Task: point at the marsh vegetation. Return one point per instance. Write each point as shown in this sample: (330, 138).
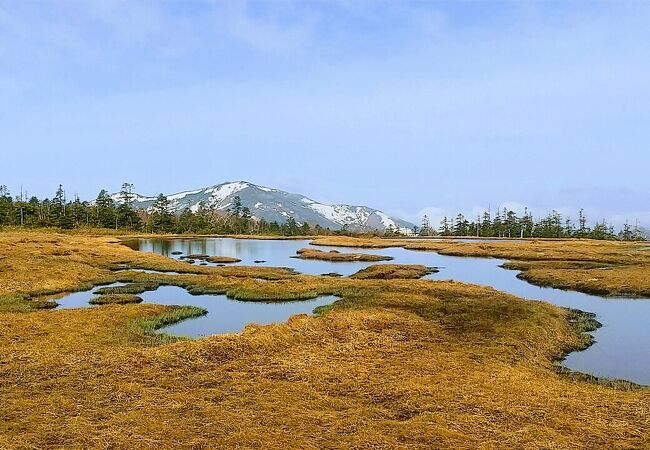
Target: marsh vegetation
(115, 299)
(395, 363)
(336, 256)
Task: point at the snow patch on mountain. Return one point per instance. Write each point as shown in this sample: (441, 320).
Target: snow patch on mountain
(181, 195)
(222, 191)
(385, 220)
(343, 214)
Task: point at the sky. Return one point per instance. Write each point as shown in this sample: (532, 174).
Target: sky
(411, 107)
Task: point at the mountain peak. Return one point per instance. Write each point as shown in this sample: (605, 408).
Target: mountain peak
(273, 204)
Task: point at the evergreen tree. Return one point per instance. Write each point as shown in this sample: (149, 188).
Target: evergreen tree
(425, 229)
(237, 207)
(79, 213)
(569, 229)
(601, 231)
(526, 224)
(56, 208)
(126, 215)
(445, 229)
(582, 230)
(291, 227)
(626, 233)
(37, 211)
(460, 226)
(105, 214)
(497, 225)
(511, 223)
(186, 222)
(126, 194)
(162, 219)
(305, 229)
(486, 225)
(6, 206)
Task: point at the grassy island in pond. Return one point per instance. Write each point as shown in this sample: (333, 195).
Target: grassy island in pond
(212, 259)
(115, 299)
(390, 271)
(336, 256)
(222, 259)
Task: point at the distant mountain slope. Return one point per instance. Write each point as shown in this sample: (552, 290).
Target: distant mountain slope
(276, 205)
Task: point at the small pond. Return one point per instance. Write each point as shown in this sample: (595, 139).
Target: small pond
(224, 315)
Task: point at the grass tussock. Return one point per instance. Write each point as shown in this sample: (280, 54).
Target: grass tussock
(334, 256)
(146, 329)
(397, 363)
(392, 271)
(132, 288)
(196, 256)
(222, 259)
(245, 294)
(584, 323)
(115, 299)
(23, 303)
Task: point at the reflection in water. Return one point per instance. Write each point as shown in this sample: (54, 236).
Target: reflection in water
(79, 299)
(620, 351)
(224, 315)
(270, 253)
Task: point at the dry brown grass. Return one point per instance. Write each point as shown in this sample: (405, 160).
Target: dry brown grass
(37, 263)
(115, 299)
(394, 364)
(334, 256)
(392, 271)
(597, 267)
(223, 259)
(606, 280)
(606, 252)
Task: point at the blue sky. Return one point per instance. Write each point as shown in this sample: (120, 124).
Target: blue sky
(409, 107)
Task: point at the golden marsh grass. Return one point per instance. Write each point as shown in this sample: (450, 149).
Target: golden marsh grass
(394, 364)
(333, 255)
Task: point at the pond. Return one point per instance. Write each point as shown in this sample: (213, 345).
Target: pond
(621, 349)
(224, 315)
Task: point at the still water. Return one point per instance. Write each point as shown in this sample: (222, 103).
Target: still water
(224, 315)
(622, 348)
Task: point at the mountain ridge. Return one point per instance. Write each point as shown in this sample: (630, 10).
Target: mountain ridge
(273, 204)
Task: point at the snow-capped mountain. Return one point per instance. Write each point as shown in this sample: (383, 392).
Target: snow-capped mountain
(276, 205)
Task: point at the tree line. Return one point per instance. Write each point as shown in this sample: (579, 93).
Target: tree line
(119, 214)
(508, 224)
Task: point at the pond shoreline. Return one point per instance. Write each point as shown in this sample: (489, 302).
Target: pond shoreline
(281, 254)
